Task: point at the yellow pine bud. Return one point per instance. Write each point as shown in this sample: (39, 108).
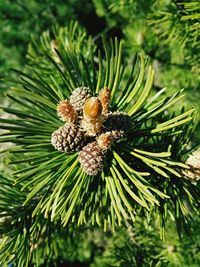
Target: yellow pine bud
(92, 116)
(104, 97)
(92, 108)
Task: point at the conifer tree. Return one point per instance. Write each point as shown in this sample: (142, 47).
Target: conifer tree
(95, 148)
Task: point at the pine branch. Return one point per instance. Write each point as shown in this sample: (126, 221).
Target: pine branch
(177, 22)
(128, 184)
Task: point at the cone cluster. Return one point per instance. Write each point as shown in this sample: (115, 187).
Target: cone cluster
(90, 128)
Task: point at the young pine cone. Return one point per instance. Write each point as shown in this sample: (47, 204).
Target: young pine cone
(92, 116)
(104, 96)
(118, 123)
(78, 98)
(91, 158)
(66, 111)
(105, 140)
(68, 138)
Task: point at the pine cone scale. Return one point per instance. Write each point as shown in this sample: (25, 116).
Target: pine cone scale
(68, 138)
(91, 158)
(78, 98)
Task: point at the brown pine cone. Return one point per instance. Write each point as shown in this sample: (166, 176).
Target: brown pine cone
(118, 123)
(91, 158)
(68, 138)
(78, 98)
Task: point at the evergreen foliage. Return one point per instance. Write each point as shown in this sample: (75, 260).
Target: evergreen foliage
(179, 24)
(51, 212)
(161, 30)
(142, 177)
(20, 19)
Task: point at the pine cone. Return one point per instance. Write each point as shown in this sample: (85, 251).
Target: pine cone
(194, 159)
(78, 98)
(192, 174)
(118, 123)
(91, 158)
(193, 162)
(68, 138)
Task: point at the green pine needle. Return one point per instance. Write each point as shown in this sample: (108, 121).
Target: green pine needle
(140, 173)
